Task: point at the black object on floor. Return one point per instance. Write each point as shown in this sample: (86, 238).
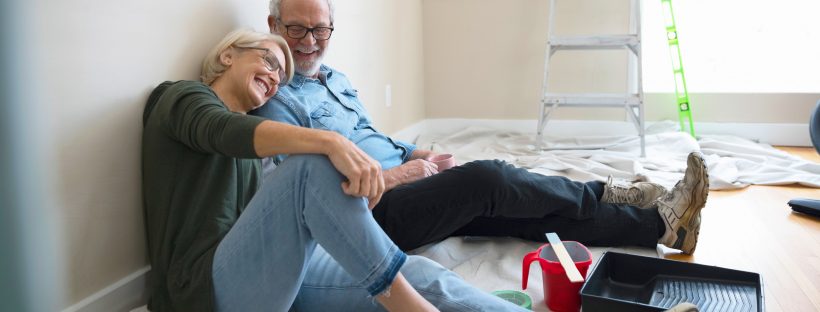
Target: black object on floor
(807, 206)
(624, 282)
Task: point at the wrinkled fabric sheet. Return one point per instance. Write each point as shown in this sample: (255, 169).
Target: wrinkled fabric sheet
(733, 162)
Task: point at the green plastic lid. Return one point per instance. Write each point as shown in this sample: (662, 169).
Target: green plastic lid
(516, 297)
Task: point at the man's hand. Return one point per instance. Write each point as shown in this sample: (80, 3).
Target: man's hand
(409, 172)
(364, 174)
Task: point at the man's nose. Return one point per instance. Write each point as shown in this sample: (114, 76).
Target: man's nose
(308, 39)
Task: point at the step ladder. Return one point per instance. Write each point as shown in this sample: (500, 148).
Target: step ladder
(632, 100)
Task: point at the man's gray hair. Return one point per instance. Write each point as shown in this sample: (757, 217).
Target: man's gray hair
(275, 4)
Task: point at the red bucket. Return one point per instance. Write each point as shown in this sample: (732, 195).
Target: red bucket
(560, 294)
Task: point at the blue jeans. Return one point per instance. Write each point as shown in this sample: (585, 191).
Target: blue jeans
(270, 261)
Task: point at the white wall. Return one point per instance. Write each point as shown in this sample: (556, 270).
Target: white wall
(485, 59)
(378, 43)
(98, 61)
(94, 63)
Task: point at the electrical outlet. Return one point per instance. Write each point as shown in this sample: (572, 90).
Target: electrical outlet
(388, 96)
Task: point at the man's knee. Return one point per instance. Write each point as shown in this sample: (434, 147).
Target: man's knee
(490, 174)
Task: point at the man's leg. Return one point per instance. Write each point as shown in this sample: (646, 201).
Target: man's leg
(628, 227)
(328, 287)
(675, 215)
(435, 208)
(262, 260)
(607, 228)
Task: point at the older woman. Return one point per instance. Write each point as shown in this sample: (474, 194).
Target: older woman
(222, 239)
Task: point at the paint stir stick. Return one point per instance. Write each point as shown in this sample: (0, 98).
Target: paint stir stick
(563, 257)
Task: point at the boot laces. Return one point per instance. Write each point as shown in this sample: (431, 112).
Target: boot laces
(624, 194)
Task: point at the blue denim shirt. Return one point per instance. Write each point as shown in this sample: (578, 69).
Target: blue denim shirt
(331, 103)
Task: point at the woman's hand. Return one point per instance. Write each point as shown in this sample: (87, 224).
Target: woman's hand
(364, 174)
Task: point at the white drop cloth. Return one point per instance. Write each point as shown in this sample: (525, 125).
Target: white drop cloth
(733, 162)
(496, 263)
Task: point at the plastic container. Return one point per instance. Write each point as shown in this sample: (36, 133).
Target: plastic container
(623, 282)
(560, 294)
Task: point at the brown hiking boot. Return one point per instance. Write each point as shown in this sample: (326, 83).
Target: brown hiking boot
(680, 208)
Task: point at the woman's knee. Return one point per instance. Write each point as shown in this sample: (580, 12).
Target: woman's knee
(308, 166)
(307, 161)
(300, 171)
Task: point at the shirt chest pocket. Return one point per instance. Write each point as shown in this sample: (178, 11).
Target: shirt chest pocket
(330, 116)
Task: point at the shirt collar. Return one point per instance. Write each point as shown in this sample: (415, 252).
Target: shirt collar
(325, 72)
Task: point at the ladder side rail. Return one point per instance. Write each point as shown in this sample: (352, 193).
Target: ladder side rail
(639, 57)
(543, 117)
(632, 58)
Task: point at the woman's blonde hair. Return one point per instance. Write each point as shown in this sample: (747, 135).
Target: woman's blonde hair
(212, 66)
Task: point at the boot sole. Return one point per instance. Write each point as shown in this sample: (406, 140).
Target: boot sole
(690, 231)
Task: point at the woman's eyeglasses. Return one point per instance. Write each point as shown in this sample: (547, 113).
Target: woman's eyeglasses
(270, 62)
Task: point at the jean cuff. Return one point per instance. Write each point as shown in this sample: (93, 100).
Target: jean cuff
(384, 275)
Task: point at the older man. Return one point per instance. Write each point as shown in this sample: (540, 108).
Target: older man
(489, 197)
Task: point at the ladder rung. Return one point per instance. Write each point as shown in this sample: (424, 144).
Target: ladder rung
(591, 100)
(602, 42)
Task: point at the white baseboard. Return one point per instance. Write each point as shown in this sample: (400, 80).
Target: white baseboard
(121, 296)
(770, 133)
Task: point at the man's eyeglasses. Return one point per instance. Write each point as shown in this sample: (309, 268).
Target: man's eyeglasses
(270, 62)
(299, 32)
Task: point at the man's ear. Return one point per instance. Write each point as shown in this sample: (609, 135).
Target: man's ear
(272, 24)
(226, 57)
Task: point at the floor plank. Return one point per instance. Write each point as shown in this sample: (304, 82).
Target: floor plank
(754, 229)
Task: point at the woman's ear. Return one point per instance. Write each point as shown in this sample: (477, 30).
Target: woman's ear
(226, 57)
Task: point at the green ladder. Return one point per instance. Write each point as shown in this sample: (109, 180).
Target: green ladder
(681, 95)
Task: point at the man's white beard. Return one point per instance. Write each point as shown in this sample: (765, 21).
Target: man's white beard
(308, 68)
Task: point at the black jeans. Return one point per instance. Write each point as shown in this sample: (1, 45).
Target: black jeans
(493, 198)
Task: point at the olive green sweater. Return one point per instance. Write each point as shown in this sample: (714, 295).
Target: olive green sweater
(199, 170)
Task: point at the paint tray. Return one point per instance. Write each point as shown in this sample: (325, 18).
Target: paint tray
(624, 282)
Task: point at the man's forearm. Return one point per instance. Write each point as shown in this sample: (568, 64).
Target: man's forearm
(420, 154)
(392, 178)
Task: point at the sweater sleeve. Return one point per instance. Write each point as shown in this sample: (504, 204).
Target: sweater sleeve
(196, 117)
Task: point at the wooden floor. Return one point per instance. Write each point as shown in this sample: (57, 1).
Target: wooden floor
(753, 229)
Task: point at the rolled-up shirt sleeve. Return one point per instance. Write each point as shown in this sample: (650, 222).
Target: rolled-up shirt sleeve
(409, 148)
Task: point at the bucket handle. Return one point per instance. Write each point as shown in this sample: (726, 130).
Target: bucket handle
(528, 259)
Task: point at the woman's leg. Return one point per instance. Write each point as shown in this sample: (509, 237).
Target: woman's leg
(328, 287)
(262, 261)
